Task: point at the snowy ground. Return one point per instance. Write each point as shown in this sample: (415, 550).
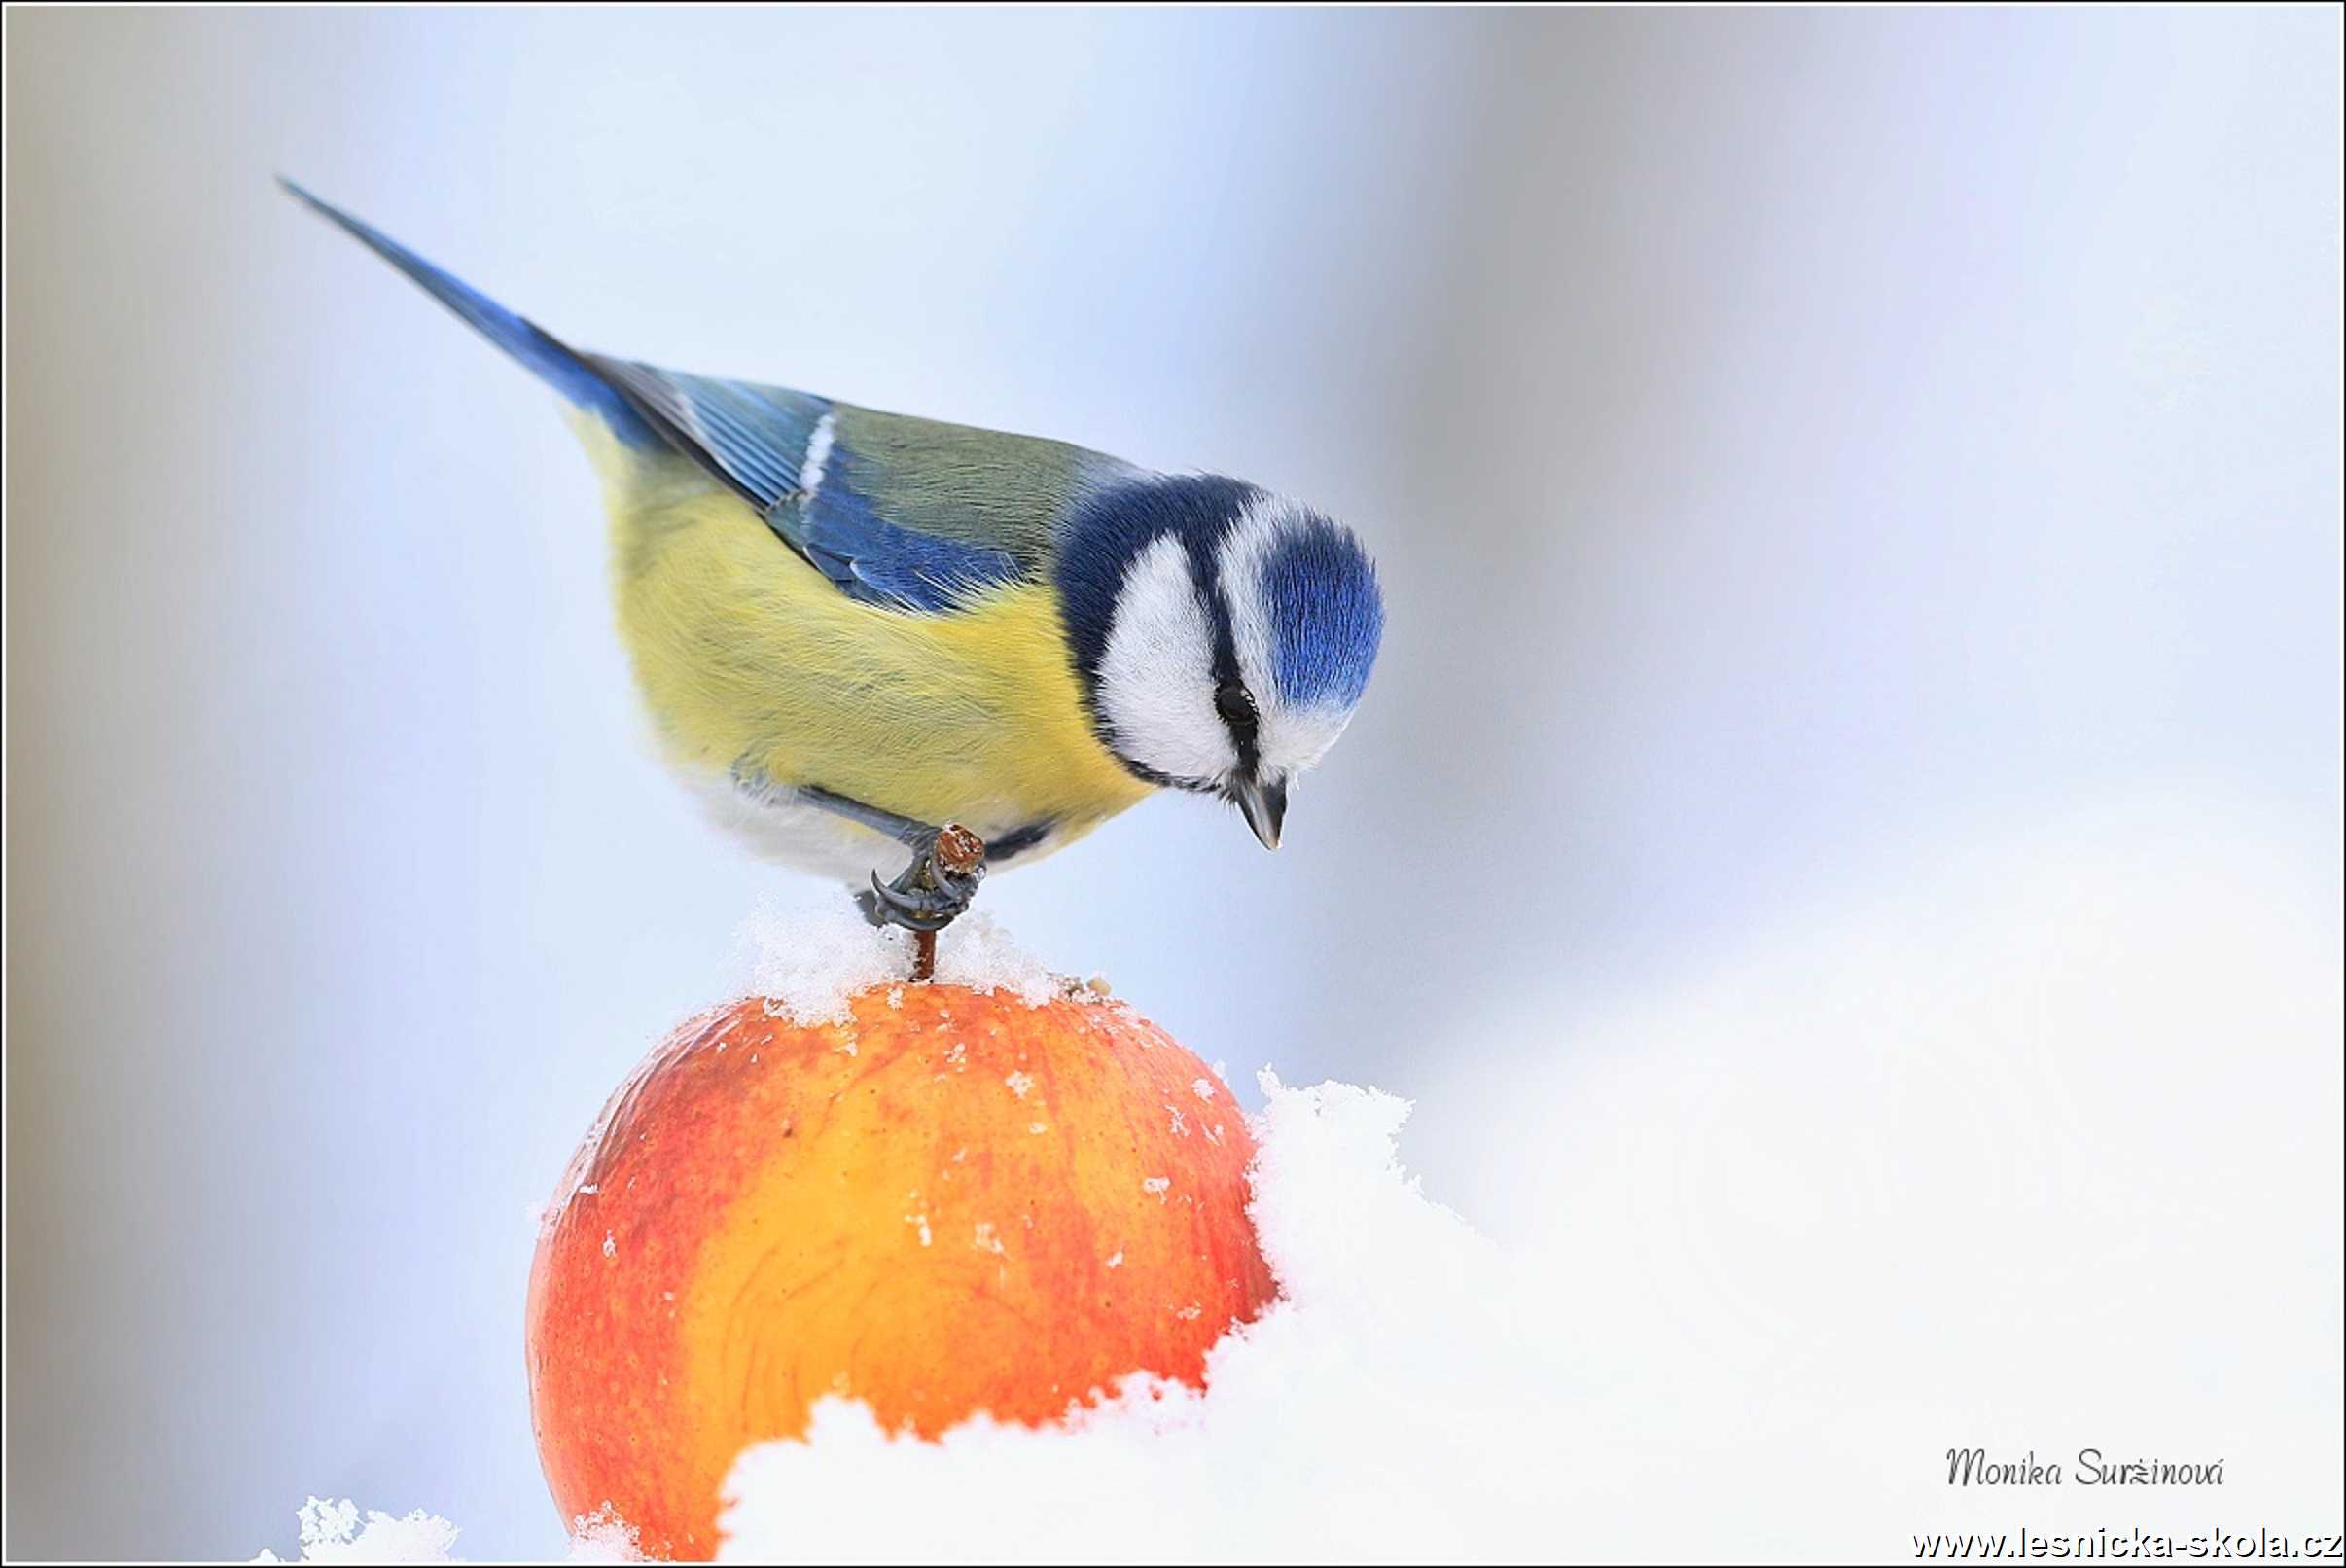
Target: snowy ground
(2035, 1150)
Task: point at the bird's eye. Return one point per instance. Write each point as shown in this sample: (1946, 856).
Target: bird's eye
(1235, 705)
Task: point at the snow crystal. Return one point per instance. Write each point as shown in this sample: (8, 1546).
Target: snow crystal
(809, 961)
(603, 1538)
(337, 1532)
(334, 1532)
(1019, 1083)
(976, 952)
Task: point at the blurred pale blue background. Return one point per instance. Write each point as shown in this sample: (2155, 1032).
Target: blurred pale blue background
(1785, 434)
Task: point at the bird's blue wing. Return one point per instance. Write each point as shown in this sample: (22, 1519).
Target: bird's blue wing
(909, 513)
(753, 438)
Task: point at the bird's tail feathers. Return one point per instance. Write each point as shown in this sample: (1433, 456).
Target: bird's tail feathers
(554, 361)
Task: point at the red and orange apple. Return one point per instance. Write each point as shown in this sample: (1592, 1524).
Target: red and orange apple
(953, 1202)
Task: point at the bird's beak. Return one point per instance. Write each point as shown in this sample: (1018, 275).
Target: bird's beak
(1266, 807)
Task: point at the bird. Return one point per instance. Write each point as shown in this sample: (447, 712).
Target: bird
(903, 652)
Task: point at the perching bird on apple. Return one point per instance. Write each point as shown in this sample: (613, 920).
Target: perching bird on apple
(854, 629)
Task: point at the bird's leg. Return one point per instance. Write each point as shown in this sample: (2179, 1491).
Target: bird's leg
(935, 889)
(948, 862)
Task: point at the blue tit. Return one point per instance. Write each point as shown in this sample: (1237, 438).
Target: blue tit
(855, 629)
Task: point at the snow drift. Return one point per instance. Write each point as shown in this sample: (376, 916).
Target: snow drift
(2033, 1148)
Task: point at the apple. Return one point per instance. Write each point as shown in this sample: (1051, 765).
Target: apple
(954, 1202)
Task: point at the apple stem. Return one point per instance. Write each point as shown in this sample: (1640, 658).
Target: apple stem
(924, 955)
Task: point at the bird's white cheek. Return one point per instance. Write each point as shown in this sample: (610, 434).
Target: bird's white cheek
(1293, 739)
(1156, 677)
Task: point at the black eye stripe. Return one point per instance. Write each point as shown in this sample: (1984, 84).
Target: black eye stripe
(1232, 699)
(1236, 706)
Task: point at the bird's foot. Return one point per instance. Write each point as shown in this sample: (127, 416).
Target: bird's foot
(935, 889)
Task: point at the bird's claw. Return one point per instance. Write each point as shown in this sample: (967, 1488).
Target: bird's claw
(916, 908)
(935, 889)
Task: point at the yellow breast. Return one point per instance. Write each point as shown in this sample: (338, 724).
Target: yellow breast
(759, 672)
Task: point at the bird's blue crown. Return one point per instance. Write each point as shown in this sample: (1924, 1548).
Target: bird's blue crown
(1327, 611)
